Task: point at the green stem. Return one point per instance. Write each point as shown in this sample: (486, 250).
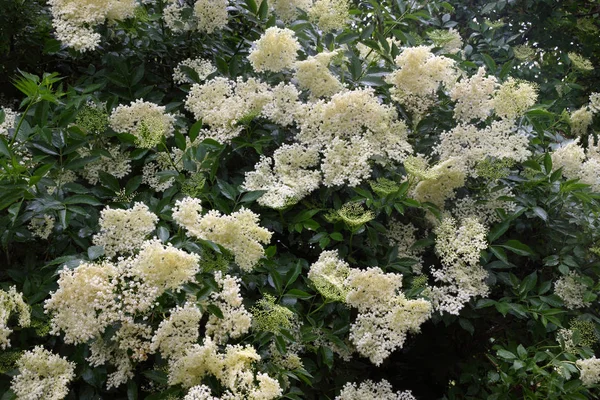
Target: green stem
(14, 138)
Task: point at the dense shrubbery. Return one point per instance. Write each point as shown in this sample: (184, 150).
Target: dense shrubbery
(299, 199)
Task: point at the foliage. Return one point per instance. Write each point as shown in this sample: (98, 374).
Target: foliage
(190, 206)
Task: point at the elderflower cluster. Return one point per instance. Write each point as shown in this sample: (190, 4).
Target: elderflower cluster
(313, 74)
(283, 105)
(577, 163)
(270, 317)
(42, 226)
(352, 128)
(92, 117)
(372, 390)
(385, 315)
(117, 165)
(513, 98)
(12, 302)
(200, 66)
(580, 63)
(286, 177)
(589, 370)
(287, 10)
(571, 289)
(440, 182)
(124, 231)
(353, 214)
(233, 369)
(328, 275)
(461, 275)
(10, 118)
(74, 20)
(173, 16)
(419, 76)
(275, 51)
(580, 120)
(236, 319)
(238, 232)
(178, 332)
(42, 375)
(211, 15)
(473, 96)
(484, 209)
(164, 161)
(403, 237)
(222, 104)
(83, 305)
(469, 145)
(329, 15)
(164, 267)
(449, 40)
(146, 121)
(594, 103)
(569, 156)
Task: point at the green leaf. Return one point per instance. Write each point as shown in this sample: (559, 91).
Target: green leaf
(337, 236)
(95, 252)
(82, 199)
(215, 311)
(498, 230)
(298, 294)
(466, 325)
(507, 355)
(518, 248)
(227, 190)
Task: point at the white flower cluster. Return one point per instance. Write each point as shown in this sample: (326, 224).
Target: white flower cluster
(484, 209)
(580, 120)
(576, 163)
(473, 96)
(437, 184)
(236, 319)
(352, 128)
(286, 177)
(205, 16)
(372, 390)
(124, 231)
(201, 66)
(590, 371)
(275, 51)
(164, 267)
(42, 226)
(238, 232)
(403, 237)
(461, 275)
(330, 15)
(571, 289)
(117, 165)
(449, 40)
(83, 306)
(469, 145)
(74, 19)
(513, 98)
(211, 15)
(164, 161)
(419, 76)
(12, 302)
(328, 275)
(287, 10)
(313, 74)
(10, 119)
(233, 369)
(147, 121)
(42, 375)
(385, 315)
(178, 332)
(221, 104)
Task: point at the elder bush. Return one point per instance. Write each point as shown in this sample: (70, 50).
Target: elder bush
(322, 199)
